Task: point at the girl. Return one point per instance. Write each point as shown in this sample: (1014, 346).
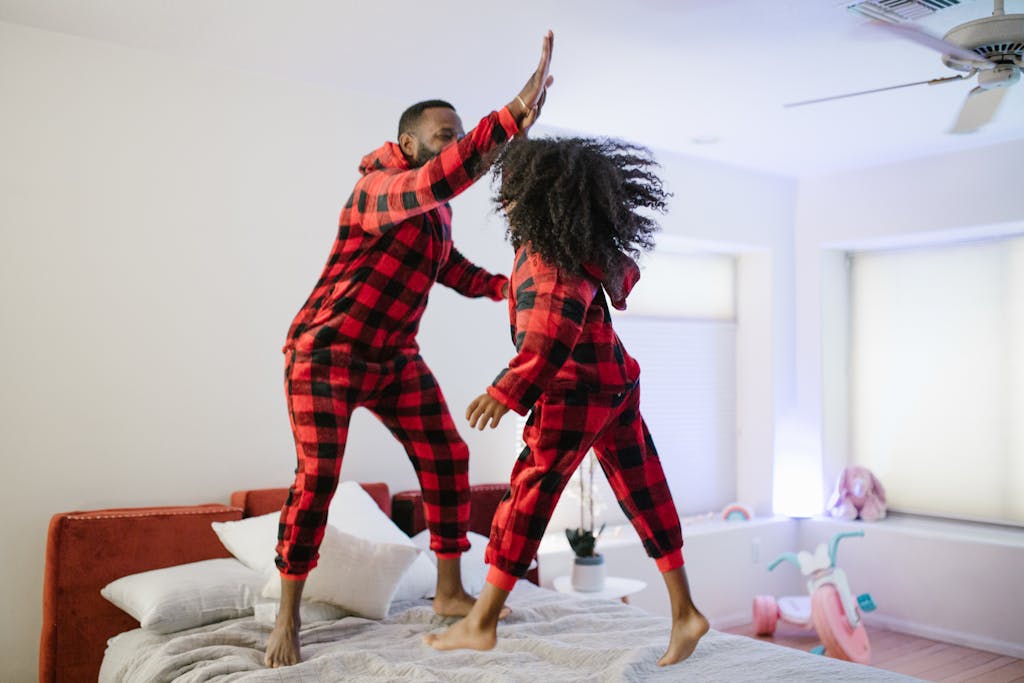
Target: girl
(573, 207)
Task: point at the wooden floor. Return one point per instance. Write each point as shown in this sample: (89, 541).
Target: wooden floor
(910, 655)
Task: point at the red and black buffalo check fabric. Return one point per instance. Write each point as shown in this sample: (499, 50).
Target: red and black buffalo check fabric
(354, 341)
(572, 369)
(323, 388)
(563, 334)
(394, 241)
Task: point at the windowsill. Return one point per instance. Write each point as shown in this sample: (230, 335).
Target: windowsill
(624, 534)
(616, 535)
(930, 527)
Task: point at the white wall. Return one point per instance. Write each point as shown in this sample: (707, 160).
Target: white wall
(163, 220)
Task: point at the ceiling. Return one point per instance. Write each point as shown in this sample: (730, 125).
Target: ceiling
(699, 77)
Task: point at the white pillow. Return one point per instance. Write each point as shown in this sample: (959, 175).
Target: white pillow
(353, 573)
(354, 511)
(187, 595)
(472, 565)
(253, 540)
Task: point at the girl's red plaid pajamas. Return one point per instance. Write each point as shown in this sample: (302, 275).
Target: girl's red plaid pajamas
(582, 385)
(354, 341)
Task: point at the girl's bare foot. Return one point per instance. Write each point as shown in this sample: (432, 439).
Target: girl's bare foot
(686, 632)
(479, 629)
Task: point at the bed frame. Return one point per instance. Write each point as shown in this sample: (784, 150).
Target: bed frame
(87, 550)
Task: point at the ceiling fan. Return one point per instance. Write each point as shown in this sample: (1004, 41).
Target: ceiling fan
(991, 48)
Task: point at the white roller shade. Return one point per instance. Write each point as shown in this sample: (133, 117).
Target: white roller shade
(937, 377)
(697, 285)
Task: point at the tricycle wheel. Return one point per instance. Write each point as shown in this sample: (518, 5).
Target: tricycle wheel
(766, 615)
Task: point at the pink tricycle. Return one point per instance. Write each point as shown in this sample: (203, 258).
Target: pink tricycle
(829, 607)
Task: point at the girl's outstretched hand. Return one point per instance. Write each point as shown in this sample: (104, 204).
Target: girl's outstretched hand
(483, 408)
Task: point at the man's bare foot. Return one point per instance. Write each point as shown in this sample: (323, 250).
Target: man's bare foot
(459, 605)
(463, 634)
(686, 632)
(282, 647)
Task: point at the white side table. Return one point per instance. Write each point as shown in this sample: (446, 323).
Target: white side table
(615, 588)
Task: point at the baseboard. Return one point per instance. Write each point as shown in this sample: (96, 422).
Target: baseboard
(971, 640)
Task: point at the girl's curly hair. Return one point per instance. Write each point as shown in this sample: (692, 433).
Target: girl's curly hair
(578, 200)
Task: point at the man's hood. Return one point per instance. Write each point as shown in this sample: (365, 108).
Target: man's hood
(388, 156)
(618, 279)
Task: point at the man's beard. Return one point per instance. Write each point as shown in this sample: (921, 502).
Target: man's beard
(423, 155)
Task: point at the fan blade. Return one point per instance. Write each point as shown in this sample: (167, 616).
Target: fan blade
(978, 109)
(922, 37)
(934, 81)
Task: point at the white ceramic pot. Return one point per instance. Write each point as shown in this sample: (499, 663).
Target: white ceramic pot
(588, 574)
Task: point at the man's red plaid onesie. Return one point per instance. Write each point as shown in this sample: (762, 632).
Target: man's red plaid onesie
(354, 341)
(573, 371)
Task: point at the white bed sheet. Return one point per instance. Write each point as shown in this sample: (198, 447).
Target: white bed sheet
(549, 637)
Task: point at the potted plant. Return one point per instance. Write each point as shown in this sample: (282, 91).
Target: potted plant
(588, 567)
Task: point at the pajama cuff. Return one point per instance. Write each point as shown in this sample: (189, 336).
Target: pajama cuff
(448, 556)
(505, 397)
(507, 121)
(497, 287)
(501, 579)
(294, 577)
(667, 563)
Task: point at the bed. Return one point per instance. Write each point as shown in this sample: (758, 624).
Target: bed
(548, 635)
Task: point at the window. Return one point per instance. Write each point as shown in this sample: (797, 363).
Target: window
(937, 377)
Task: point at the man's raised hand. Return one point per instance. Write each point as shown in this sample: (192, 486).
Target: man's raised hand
(531, 98)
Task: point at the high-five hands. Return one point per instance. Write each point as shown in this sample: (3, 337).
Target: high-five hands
(530, 99)
(485, 408)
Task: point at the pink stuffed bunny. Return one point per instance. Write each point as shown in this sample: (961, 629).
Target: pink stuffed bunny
(858, 495)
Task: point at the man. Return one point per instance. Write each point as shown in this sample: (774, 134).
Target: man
(354, 341)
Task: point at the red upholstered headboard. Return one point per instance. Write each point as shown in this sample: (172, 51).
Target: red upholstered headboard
(87, 550)
(255, 502)
(407, 512)
(407, 508)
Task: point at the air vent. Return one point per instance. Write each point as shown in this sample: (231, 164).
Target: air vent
(900, 10)
(1001, 50)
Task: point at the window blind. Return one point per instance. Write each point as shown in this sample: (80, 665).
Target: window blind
(937, 377)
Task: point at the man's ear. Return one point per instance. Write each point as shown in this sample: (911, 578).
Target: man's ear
(407, 143)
